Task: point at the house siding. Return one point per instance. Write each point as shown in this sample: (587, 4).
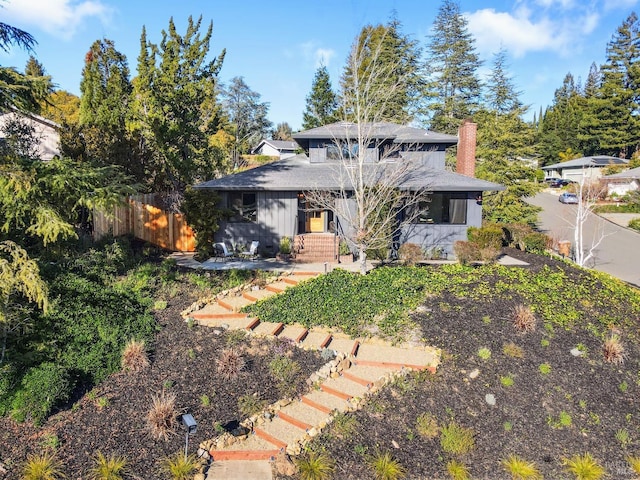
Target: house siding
(275, 218)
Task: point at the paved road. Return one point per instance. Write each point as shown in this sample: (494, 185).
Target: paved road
(619, 252)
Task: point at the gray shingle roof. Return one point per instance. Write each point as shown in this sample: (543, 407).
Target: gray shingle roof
(382, 130)
(297, 173)
(633, 173)
(594, 161)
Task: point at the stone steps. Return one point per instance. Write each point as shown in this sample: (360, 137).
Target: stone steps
(268, 328)
(295, 333)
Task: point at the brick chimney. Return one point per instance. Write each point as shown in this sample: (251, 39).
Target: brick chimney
(466, 157)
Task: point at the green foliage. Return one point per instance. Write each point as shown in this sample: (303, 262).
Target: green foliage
(344, 425)
(349, 301)
(635, 224)
(203, 214)
(321, 103)
(107, 468)
(284, 371)
(315, 466)
(507, 380)
(484, 353)
(634, 463)
(512, 350)
(42, 389)
(42, 466)
(544, 368)
(456, 439)
(458, 470)
(250, 404)
(520, 469)
(179, 467)
(385, 467)
(285, 245)
(584, 467)
(427, 425)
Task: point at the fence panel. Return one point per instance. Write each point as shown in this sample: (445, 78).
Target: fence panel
(142, 219)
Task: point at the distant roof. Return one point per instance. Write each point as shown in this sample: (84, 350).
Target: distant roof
(297, 173)
(633, 173)
(594, 161)
(278, 145)
(381, 130)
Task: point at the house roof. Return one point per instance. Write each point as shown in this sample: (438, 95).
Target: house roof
(381, 130)
(298, 174)
(279, 145)
(586, 162)
(633, 173)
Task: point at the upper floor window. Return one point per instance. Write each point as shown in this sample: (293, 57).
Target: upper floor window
(243, 206)
(443, 208)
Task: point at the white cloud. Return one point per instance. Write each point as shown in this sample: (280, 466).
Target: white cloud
(622, 4)
(318, 55)
(60, 18)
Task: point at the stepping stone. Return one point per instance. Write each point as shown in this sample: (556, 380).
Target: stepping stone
(316, 340)
(267, 328)
(325, 402)
(284, 432)
(211, 309)
(257, 295)
(343, 387)
(367, 374)
(294, 332)
(381, 355)
(236, 322)
(345, 345)
(234, 303)
(296, 278)
(277, 287)
(304, 413)
(240, 470)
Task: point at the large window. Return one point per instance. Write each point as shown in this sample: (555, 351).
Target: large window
(443, 208)
(243, 206)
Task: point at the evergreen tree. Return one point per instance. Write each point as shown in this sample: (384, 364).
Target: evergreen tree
(613, 113)
(386, 49)
(321, 103)
(454, 89)
(175, 108)
(247, 116)
(34, 68)
(502, 96)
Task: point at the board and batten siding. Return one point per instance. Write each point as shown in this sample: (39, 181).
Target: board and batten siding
(276, 215)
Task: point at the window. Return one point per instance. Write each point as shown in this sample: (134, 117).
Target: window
(444, 208)
(243, 206)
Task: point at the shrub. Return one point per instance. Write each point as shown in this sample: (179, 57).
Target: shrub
(634, 463)
(250, 404)
(385, 467)
(285, 245)
(344, 425)
(484, 353)
(512, 350)
(537, 242)
(523, 318)
(466, 252)
(161, 418)
(427, 425)
(544, 368)
(458, 470)
(410, 253)
(180, 467)
(613, 350)
(584, 467)
(230, 363)
(456, 439)
(284, 371)
(134, 356)
(43, 466)
(635, 224)
(520, 469)
(203, 214)
(111, 468)
(42, 389)
(506, 381)
(490, 235)
(515, 234)
(315, 466)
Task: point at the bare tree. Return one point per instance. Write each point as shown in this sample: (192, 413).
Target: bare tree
(378, 190)
(589, 191)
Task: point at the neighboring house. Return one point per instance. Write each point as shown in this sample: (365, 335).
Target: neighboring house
(276, 148)
(623, 183)
(269, 201)
(590, 167)
(46, 132)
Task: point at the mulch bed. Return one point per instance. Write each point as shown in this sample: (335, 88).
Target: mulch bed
(601, 398)
(183, 363)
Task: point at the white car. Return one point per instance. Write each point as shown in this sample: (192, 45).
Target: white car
(566, 197)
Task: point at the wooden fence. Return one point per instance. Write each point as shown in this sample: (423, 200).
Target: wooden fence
(141, 218)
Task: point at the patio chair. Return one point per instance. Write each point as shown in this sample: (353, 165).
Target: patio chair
(221, 250)
(252, 253)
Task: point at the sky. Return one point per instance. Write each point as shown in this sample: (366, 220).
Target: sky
(277, 45)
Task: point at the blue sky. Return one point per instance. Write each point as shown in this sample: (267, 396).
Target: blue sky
(277, 45)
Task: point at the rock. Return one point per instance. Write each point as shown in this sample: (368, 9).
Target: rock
(199, 476)
(474, 373)
(224, 326)
(313, 432)
(576, 353)
(217, 332)
(335, 374)
(344, 364)
(202, 453)
(490, 398)
(395, 444)
(284, 465)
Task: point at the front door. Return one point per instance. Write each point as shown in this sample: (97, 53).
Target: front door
(316, 221)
